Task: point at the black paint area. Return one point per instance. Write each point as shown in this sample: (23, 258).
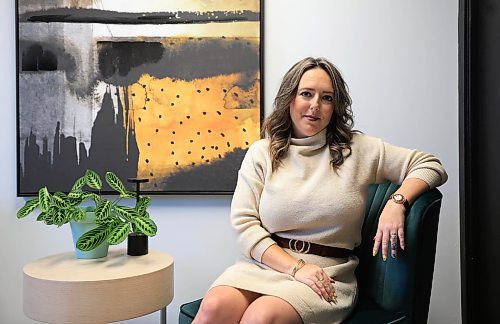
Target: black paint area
(123, 63)
(81, 15)
(35, 58)
(218, 176)
(51, 56)
(120, 57)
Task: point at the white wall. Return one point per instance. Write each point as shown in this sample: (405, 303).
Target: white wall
(400, 61)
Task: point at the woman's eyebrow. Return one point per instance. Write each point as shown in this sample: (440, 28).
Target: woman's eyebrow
(311, 89)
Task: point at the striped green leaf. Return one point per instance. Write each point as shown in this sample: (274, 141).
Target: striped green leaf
(95, 197)
(28, 207)
(51, 211)
(128, 194)
(75, 194)
(146, 226)
(127, 213)
(103, 209)
(106, 221)
(75, 200)
(61, 195)
(59, 217)
(119, 233)
(142, 205)
(75, 214)
(60, 200)
(78, 185)
(93, 180)
(115, 183)
(41, 217)
(44, 198)
(91, 239)
(50, 214)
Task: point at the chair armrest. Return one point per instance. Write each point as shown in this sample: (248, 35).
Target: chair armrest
(402, 284)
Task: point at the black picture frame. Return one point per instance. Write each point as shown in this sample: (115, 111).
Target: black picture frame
(179, 109)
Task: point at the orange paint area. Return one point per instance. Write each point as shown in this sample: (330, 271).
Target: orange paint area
(181, 125)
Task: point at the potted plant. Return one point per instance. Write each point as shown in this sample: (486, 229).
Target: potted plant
(113, 221)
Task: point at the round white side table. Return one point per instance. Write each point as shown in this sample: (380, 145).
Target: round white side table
(63, 289)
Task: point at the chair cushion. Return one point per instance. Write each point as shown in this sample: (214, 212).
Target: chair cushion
(367, 311)
(188, 311)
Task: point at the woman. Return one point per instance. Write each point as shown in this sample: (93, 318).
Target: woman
(298, 206)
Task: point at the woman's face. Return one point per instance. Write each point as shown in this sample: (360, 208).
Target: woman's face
(312, 107)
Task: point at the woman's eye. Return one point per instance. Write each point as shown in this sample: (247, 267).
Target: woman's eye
(305, 94)
(328, 98)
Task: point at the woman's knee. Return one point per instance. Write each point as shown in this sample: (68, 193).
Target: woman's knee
(269, 309)
(222, 305)
(210, 307)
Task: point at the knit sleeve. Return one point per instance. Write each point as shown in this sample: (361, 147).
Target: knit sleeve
(253, 238)
(397, 164)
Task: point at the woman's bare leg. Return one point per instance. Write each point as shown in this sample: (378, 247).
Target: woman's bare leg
(224, 304)
(270, 310)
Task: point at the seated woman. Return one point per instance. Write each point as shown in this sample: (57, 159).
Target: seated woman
(298, 206)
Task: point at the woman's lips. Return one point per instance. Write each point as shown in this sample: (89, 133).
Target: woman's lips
(311, 117)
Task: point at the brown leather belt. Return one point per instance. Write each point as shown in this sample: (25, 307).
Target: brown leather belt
(311, 248)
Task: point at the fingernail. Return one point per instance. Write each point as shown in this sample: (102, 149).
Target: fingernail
(374, 253)
(384, 258)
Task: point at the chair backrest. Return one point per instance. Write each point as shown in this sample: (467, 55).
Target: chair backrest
(402, 284)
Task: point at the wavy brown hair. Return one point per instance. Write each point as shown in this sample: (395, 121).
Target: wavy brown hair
(278, 125)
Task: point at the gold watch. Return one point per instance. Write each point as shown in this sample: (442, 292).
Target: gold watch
(400, 199)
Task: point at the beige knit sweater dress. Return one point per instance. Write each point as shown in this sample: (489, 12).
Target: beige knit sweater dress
(306, 200)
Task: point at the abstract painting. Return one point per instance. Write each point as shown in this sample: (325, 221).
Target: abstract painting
(166, 90)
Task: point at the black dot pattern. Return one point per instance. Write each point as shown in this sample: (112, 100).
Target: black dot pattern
(170, 122)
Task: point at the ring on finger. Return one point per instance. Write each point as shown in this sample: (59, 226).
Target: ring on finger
(394, 246)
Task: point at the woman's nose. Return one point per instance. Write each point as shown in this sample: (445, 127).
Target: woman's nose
(315, 103)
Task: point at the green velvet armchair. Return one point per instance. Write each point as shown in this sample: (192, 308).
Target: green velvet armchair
(398, 290)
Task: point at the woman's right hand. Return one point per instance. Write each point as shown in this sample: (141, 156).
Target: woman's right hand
(316, 278)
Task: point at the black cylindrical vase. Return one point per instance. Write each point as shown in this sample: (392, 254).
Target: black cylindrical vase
(137, 244)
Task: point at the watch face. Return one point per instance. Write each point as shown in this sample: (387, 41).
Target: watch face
(398, 198)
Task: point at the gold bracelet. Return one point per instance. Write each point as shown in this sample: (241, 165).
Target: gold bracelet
(297, 267)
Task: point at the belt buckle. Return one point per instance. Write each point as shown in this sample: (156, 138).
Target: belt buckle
(292, 244)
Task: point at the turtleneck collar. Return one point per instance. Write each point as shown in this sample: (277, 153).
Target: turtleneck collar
(315, 141)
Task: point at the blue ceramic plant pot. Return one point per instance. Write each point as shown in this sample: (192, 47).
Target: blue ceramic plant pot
(80, 228)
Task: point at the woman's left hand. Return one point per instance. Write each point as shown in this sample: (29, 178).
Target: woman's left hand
(390, 230)
(317, 279)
